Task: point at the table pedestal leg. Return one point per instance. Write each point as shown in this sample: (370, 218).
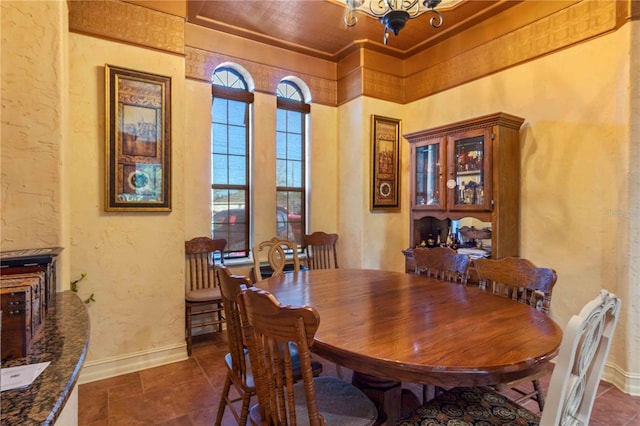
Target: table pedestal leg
(388, 395)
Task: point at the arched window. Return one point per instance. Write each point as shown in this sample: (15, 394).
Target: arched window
(290, 161)
(230, 185)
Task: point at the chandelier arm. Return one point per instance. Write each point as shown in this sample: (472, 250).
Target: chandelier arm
(435, 21)
(350, 19)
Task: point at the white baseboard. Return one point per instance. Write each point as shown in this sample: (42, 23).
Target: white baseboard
(111, 367)
(626, 382)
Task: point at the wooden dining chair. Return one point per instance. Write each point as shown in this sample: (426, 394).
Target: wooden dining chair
(239, 373)
(202, 293)
(442, 263)
(268, 329)
(520, 280)
(277, 253)
(320, 250)
(572, 390)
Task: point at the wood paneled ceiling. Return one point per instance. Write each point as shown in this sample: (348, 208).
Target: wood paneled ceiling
(316, 28)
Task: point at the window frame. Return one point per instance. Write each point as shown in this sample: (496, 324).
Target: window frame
(245, 96)
(296, 106)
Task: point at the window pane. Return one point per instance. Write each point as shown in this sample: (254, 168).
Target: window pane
(281, 145)
(281, 120)
(219, 199)
(237, 140)
(295, 203)
(237, 170)
(219, 138)
(294, 147)
(228, 77)
(289, 90)
(290, 221)
(237, 113)
(281, 173)
(294, 122)
(294, 174)
(220, 170)
(219, 110)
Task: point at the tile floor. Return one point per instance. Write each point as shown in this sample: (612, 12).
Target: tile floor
(187, 393)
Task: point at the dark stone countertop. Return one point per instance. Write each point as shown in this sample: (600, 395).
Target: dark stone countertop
(64, 342)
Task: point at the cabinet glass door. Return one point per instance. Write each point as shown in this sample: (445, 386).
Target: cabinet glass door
(469, 171)
(429, 191)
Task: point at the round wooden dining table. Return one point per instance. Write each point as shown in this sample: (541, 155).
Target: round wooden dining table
(412, 328)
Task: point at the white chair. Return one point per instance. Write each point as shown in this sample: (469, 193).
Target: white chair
(572, 390)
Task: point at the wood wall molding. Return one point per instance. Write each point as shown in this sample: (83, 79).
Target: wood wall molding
(382, 85)
(200, 65)
(575, 24)
(367, 73)
(128, 23)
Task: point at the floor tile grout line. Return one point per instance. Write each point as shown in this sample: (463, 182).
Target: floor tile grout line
(207, 378)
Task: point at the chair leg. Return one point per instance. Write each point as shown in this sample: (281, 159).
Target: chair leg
(540, 396)
(223, 399)
(188, 328)
(244, 410)
(220, 317)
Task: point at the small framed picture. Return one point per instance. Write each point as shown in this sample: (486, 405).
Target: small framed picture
(385, 163)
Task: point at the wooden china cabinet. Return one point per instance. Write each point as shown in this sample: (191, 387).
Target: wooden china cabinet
(466, 171)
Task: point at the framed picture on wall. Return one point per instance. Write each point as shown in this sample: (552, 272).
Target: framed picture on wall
(138, 141)
(385, 163)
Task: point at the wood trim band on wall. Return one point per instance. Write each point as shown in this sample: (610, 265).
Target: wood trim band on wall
(200, 65)
(128, 23)
(138, 25)
(565, 28)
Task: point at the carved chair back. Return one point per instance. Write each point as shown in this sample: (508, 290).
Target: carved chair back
(518, 279)
(278, 253)
(442, 263)
(583, 352)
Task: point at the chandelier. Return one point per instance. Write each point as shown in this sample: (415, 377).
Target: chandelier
(394, 14)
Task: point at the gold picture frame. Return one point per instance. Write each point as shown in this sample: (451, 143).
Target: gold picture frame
(385, 163)
(138, 141)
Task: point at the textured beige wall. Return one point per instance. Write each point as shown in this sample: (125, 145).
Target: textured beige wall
(575, 168)
(134, 261)
(197, 164)
(33, 85)
(373, 239)
(629, 347)
(324, 181)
